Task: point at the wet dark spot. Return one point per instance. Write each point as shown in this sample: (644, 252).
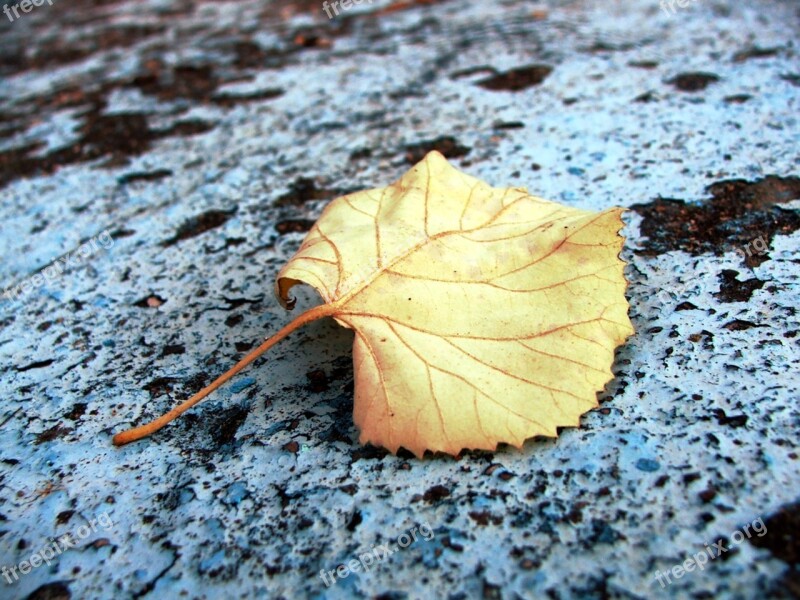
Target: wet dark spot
(733, 290)
(792, 78)
(233, 320)
(350, 489)
(693, 82)
(604, 46)
(686, 306)
(740, 215)
(732, 549)
(643, 64)
(435, 494)
(170, 500)
(517, 79)
(160, 386)
(233, 242)
(294, 226)
(509, 125)
(740, 325)
(170, 349)
(196, 82)
(113, 137)
(249, 54)
(222, 426)
(484, 517)
(360, 154)
(690, 477)
(56, 590)
(64, 516)
(737, 98)
(707, 495)
(233, 303)
(200, 224)
(77, 411)
(754, 52)
(447, 145)
(602, 533)
(355, 521)
(646, 97)
(782, 537)
(9, 129)
(311, 39)
(144, 176)
(367, 452)
(317, 381)
(302, 190)
(56, 50)
(492, 468)
(703, 336)
(117, 135)
(185, 128)
(575, 515)
(489, 590)
(55, 432)
(734, 421)
(40, 364)
(228, 99)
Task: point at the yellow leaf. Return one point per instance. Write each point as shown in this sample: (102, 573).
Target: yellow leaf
(481, 315)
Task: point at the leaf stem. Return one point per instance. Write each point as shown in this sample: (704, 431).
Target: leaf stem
(137, 433)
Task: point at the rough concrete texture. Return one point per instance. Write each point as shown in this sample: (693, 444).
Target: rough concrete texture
(205, 137)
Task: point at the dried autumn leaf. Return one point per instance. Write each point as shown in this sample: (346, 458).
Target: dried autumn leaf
(481, 315)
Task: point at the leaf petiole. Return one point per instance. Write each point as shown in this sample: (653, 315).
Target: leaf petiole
(137, 433)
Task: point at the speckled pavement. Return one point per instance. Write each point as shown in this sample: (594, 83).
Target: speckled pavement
(160, 161)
